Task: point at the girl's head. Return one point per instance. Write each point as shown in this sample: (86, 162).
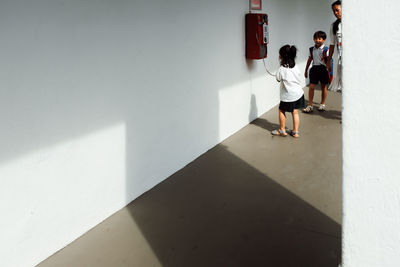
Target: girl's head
(287, 54)
(337, 9)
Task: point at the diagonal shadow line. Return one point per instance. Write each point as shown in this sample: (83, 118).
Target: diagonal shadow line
(220, 211)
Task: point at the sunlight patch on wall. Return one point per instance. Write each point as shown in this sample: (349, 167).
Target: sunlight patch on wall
(60, 192)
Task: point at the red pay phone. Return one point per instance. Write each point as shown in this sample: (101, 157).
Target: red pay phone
(257, 36)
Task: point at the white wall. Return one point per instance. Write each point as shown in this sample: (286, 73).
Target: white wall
(371, 235)
(102, 100)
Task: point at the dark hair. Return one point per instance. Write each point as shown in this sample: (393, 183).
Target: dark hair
(288, 54)
(336, 26)
(336, 23)
(336, 3)
(320, 34)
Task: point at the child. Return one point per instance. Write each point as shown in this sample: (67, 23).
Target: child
(292, 95)
(318, 72)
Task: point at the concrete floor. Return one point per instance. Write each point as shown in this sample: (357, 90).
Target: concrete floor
(253, 200)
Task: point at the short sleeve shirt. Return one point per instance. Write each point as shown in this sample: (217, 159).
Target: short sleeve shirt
(290, 89)
(318, 55)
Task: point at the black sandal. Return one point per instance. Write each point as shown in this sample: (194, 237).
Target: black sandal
(279, 132)
(293, 133)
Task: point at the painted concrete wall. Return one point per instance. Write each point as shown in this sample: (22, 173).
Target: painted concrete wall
(371, 130)
(102, 100)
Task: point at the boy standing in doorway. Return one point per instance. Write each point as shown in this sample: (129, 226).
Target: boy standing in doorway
(318, 72)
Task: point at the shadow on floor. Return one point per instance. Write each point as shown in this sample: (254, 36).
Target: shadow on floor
(270, 126)
(265, 124)
(220, 211)
(330, 114)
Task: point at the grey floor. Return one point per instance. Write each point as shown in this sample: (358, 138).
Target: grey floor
(253, 200)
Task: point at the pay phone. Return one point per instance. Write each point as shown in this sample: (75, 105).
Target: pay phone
(257, 36)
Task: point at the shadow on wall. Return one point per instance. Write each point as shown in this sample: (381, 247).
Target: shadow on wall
(251, 64)
(220, 211)
(253, 108)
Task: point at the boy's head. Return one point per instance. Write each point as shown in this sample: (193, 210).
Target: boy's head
(319, 38)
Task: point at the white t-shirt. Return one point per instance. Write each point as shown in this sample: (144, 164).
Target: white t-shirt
(290, 88)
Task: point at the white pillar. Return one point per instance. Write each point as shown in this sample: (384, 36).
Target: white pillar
(371, 133)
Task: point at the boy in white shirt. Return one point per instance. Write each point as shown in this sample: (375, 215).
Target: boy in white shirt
(318, 72)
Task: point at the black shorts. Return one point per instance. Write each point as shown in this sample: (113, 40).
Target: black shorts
(290, 106)
(319, 73)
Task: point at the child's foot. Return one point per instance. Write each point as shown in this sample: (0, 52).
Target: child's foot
(295, 134)
(279, 132)
(308, 109)
(322, 107)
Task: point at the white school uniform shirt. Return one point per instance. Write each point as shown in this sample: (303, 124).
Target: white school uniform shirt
(318, 55)
(290, 88)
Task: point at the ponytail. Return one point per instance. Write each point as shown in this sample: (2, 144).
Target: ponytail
(288, 54)
(292, 52)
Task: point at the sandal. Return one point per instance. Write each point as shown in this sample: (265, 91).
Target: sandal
(279, 132)
(295, 134)
(308, 109)
(322, 107)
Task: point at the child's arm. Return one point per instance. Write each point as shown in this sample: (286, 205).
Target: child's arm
(307, 66)
(278, 75)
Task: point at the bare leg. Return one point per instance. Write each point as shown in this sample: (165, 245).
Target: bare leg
(324, 90)
(311, 90)
(296, 120)
(282, 120)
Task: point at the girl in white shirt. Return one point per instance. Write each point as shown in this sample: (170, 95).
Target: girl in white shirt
(291, 92)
